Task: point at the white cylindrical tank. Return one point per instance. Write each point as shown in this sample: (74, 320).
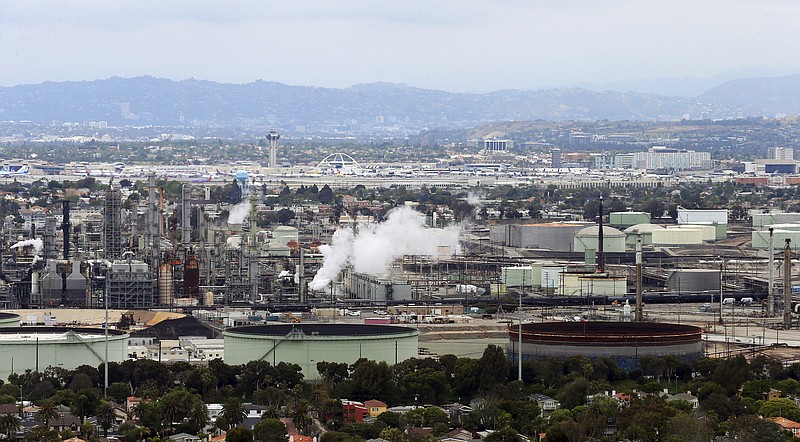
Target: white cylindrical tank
(285, 234)
(165, 284)
(37, 348)
(587, 239)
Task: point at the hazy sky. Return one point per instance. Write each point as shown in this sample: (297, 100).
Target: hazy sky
(456, 45)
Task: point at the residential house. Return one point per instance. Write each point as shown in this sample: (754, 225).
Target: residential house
(375, 407)
(772, 394)
(688, 397)
(546, 403)
(354, 411)
(184, 437)
(788, 425)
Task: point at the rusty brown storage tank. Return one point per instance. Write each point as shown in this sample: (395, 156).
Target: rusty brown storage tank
(191, 276)
(623, 342)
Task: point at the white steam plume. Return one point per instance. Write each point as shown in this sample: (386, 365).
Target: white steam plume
(474, 200)
(239, 213)
(375, 246)
(35, 243)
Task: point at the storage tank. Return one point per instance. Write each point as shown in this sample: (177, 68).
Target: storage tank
(760, 238)
(551, 276)
(677, 237)
(708, 231)
(166, 291)
(285, 234)
(307, 344)
(555, 236)
(76, 286)
(645, 230)
(766, 219)
(37, 348)
(627, 219)
(191, 277)
(693, 280)
(587, 239)
(623, 342)
(702, 216)
(589, 284)
(9, 320)
(517, 276)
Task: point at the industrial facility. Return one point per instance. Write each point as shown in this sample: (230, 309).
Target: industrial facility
(307, 344)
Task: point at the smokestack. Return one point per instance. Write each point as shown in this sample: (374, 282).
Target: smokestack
(601, 257)
(65, 227)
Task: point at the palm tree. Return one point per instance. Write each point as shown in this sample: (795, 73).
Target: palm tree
(105, 416)
(9, 423)
(198, 415)
(233, 412)
(47, 412)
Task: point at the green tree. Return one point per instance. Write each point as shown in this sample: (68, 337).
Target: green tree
(781, 407)
(85, 404)
(426, 385)
(42, 434)
(325, 195)
(105, 416)
(47, 412)
(239, 434)
(270, 430)
(10, 423)
(494, 367)
(505, 434)
(119, 391)
(233, 412)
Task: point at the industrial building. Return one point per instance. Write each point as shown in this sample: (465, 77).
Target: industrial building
(623, 342)
(307, 344)
(37, 348)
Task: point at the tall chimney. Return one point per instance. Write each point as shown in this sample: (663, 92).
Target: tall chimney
(65, 227)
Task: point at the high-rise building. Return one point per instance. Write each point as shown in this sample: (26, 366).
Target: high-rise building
(780, 153)
(555, 158)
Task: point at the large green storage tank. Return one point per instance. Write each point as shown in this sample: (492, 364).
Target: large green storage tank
(35, 348)
(626, 219)
(307, 344)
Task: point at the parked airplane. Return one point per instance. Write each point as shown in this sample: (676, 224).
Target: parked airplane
(14, 170)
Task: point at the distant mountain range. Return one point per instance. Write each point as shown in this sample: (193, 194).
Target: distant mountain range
(371, 107)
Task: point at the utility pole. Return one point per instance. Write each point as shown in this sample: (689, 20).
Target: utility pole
(787, 285)
(519, 347)
(638, 315)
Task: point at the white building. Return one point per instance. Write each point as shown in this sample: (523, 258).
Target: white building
(780, 153)
(661, 157)
(491, 146)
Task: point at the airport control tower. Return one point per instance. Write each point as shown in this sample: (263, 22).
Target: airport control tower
(273, 138)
